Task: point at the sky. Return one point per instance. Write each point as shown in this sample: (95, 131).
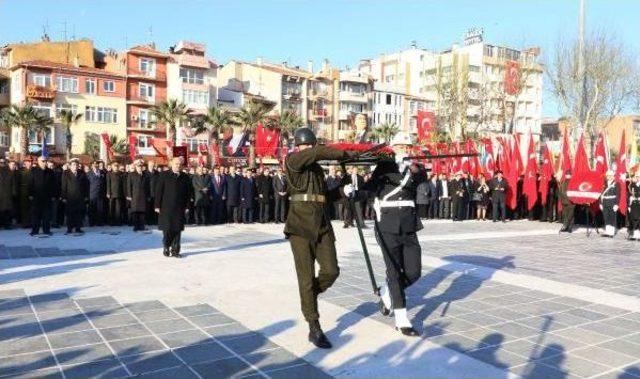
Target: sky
(343, 31)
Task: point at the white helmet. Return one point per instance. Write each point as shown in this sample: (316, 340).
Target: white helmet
(401, 138)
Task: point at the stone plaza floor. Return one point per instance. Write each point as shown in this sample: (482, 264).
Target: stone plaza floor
(494, 301)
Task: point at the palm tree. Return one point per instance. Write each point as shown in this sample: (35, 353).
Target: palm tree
(92, 143)
(68, 118)
(249, 117)
(287, 122)
(41, 125)
(24, 117)
(385, 132)
(171, 113)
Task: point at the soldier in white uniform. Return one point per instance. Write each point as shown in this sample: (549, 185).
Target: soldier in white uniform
(609, 200)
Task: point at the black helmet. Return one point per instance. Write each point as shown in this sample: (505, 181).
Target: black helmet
(304, 136)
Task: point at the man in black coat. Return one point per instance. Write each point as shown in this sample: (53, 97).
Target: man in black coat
(247, 196)
(201, 196)
(280, 196)
(498, 187)
(234, 180)
(458, 192)
(358, 182)
(115, 194)
(75, 194)
(138, 194)
(264, 188)
(172, 198)
(7, 193)
(218, 193)
(97, 194)
(23, 184)
(41, 190)
(432, 198)
(152, 176)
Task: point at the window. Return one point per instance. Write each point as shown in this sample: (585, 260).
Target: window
(473, 68)
(109, 86)
(388, 102)
(144, 142)
(146, 90)
(193, 143)
(90, 86)
(4, 86)
(195, 97)
(35, 138)
(66, 107)
(43, 109)
(192, 75)
(4, 139)
(145, 118)
(148, 66)
(43, 80)
(67, 84)
(101, 114)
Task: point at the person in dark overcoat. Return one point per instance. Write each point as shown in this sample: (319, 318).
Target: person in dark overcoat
(23, 193)
(280, 196)
(152, 176)
(97, 194)
(75, 194)
(115, 194)
(498, 187)
(41, 189)
(172, 197)
(264, 187)
(138, 193)
(201, 196)
(218, 193)
(247, 196)
(234, 179)
(7, 193)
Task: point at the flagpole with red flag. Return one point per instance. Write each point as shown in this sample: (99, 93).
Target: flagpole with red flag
(529, 185)
(621, 174)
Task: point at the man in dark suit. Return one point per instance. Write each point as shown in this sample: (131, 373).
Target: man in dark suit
(201, 196)
(7, 192)
(23, 195)
(75, 195)
(172, 198)
(432, 198)
(498, 187)
(358, 182)
(247, 196)
(152, 177)
(41, 189)
(234, 180)
(458, 190)
(138, 193)
(115, 194)
(333, 181)
(280, 196)
(218, 193)
(444, 197)
(264, 187)
(97, 194)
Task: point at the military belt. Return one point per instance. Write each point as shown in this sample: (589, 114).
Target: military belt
(308, 198)
(608, 197)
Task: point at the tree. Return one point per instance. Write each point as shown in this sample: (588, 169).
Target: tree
(596, 85)
(26, 118)
(215, 122)
(68, 118)
(249, 117)
(508, 102)
(171, 113)
(92, 143)
(286, 122)
(452, 91)
(384, 132)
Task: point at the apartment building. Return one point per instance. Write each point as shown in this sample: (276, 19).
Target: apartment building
(355, 101)
(192, 80)
(479, 70)
(391, 105)
(51, 87)
(145, 70)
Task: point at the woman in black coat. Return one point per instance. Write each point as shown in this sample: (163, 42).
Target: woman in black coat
(75, 195)
(138, 193)
(172, 198)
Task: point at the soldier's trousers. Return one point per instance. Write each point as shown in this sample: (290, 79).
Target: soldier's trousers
(402, 256)
(305, 254)
(567, 215)
(610, 216)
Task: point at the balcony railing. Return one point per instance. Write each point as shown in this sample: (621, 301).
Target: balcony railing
(141, 99)
(148, 75)
(40, 92)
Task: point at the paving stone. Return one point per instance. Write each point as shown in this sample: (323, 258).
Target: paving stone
(15, 306)
(158, 315)
(603, 328)
(456, 342)
(586, 314)
(149, 362)
(11, 294)
(19, 252)
(224, 368)
(113, 320)
(622, 346)
(66, 324)
(168, 326)
(23, 345)
(202, 353)
(184, 338)
(211, 320)
(273, 360)
(577, 366)
(181, 372)
(102, 369)
(481, 319)
(249, 344)
(604, 356)
(144, 306)
(86, 337)
(533, 350)
(515, 329)
(498, 357)
(135, 346)
(93, 311)
(96, 301)
(583, 335)
(19, 326)
(123, 332)
(25, 363)
(82, 354)
(45, 373)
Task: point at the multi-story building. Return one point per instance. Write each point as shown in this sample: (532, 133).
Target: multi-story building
(322, 105)
(145, 70)
(355, 99)
(50, 87)
(192, 80)
(478, 71)
(393, 106)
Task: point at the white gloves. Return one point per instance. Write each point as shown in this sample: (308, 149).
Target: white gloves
(601, 208)
(348, 190)
(615, 208)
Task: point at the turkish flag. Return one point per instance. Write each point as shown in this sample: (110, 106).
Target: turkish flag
(580, 161)
(266, 141)
(518, 154)
(512, 77)
(512, 176)
(585, 184)
(133, 145)
(621, 174)
(489, 162)
(181, 151)
(602, 164)
(566, 155)
(545, 174)
(530, 180)
(426, 123)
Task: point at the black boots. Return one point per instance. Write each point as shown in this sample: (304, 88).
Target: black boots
(165, 251)
(317, 337)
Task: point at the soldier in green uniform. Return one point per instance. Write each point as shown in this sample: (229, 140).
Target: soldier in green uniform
(567, 206)
(308, 229)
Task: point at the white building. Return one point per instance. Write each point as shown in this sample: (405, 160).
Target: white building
(423, 73)
(192, 80)
(393, 105)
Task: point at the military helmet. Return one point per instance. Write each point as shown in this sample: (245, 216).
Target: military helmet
(304, 136)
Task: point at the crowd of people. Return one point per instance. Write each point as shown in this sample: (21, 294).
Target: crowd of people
(42, 195)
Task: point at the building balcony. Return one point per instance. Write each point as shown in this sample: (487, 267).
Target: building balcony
(354, 97)
(139, 100)
(319, 94)
(192, 61)
(147, 75)
(292, 96)
(40, 92)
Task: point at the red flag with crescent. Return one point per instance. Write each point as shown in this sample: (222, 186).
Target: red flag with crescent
(133, 144)
(489, 163)
(107, 145)
(585, 184)
(426, 123)
(621, 174)
(602, 162)
(566, 155)
(529, 187)
(546, 173)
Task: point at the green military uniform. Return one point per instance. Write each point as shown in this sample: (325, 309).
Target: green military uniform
(567, 206)
(308, 228)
